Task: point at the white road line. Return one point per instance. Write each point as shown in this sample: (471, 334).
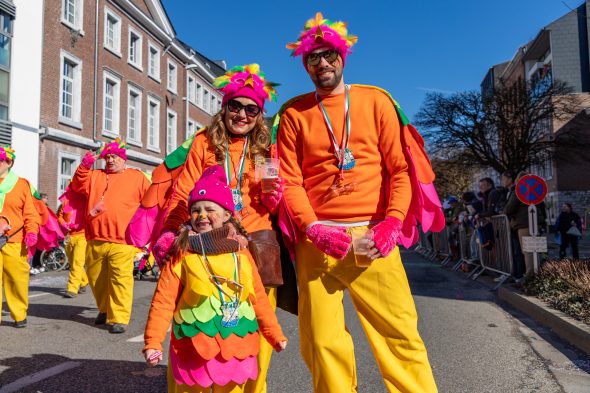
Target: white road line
(38, 295)
(38, 376)
(136, 339)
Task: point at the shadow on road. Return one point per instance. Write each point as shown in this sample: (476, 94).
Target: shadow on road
(61, 312)
(60, 374)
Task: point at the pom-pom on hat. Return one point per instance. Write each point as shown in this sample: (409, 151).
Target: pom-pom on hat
(116, 147)
(246, 81)
(319, 33)
(212, 186)
(6, 152)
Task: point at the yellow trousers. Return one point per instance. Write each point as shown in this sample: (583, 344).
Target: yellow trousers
(76, 253)
(14, 278)
(173, 387)
(109, 267)
(259, 386)
(384, 304)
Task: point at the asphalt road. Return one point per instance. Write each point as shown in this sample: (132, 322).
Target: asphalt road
(474, 344)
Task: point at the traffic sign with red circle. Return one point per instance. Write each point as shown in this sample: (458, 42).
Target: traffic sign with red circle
(531, 189)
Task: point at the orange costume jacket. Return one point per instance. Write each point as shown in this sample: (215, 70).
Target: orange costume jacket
(20, 210)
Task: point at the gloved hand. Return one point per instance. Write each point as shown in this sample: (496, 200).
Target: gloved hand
(88, 159)
(333, 241)
(271, 199)
(163, 246)
(385, 237)
(30, 242)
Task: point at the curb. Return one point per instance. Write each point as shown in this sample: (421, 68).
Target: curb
(574, 332)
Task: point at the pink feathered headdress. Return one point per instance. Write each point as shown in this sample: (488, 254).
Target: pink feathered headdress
(319, 32)
(6, 152)
(116, 147)
(246, 81)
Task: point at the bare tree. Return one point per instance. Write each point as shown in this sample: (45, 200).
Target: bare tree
(507, 129)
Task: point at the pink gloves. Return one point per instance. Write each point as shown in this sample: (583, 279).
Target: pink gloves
(88, 160)
(30, 239)
(386, 235)
(333, 241)
(271, 199)
(163, 246)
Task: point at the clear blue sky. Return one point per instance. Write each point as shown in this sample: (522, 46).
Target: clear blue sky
(407, 47)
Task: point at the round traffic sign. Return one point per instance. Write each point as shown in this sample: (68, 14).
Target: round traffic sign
(531, 189)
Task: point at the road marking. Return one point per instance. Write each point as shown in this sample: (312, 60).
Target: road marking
(38, 376)
(139, 339)
(38, 295)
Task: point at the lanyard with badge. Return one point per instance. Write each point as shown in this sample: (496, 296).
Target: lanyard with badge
(238, 174)
(343, 153)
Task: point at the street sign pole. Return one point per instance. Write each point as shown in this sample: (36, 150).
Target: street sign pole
(531, 190)
(534, 232)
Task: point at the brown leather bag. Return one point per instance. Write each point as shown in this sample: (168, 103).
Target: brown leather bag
(266, 251)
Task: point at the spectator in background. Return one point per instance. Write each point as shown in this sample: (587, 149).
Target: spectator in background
(452, 209)
(507, 180)
(473, 206)
(491, 197)
(517, 256)
(44, 198)
(567, 223)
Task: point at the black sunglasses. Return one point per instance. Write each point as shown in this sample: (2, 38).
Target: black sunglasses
(251, 110)
(313, 59)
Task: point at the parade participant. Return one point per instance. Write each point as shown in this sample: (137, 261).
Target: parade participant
(71, 219)
(20, 227)
(352, 162)
(237, 139)
(211, 291)
(112, 196)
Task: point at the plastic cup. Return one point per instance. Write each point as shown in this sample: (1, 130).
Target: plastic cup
(360, 246)
(268, 172)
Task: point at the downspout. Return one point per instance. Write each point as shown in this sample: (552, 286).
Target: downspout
(95, 82)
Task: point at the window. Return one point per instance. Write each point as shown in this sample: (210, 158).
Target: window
(199, 95)
(67, 166)
(154, 62)
(72, 14)
(213, 104)
(112, 32)
(5, 42)
(191, 89)
(206, 100)
(172, 77)
(218, 105)
(192, 127)
(110, 124)
(134, 116)
(153, 124)
(70, 89)
(171, 132)
(135, 52)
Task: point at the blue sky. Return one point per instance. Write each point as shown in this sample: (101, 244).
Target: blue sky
(408, 48)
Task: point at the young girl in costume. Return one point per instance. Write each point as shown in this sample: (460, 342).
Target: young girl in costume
(211, 290)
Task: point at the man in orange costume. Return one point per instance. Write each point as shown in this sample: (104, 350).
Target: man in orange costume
(113, 195)
(20, 224)
(345, 172)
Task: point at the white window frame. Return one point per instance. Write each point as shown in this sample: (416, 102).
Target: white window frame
(191, 87)
(192, 126)
(109, 77)
(116, 49)
(199, 94)
(78, 24)
(139, 61)
(171, 131)
(155, 147)
(70, 156)
(213, 104)
(172, 88)
(75, 120)
(154, 74)
(206, 100)
(138, 112)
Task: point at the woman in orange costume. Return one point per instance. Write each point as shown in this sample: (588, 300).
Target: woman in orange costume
(236, 139)
(21, 227)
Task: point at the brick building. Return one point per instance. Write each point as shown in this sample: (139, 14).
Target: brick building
(112, 68)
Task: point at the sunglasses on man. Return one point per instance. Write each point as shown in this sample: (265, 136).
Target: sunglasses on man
(251, 110)
(313, 59)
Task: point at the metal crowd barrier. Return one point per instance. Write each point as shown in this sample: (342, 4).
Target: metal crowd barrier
(465, 251)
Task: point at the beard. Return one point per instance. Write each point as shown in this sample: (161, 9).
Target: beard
(328, 82)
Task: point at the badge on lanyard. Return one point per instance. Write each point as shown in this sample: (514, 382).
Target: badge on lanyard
(238, 173)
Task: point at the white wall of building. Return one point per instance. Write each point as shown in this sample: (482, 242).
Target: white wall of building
(25, 87)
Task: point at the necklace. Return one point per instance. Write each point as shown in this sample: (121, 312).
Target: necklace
(238, 173)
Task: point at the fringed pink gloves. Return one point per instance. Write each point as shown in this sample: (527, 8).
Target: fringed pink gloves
(333, 241)
(163, 246)
(88, 159)
(271, 199)
(386, 235)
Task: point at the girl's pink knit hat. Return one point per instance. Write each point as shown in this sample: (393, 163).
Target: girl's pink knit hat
(212, 186)
(246, 81)
(319, 33)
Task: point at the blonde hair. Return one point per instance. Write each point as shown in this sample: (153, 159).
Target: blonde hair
(218, 136)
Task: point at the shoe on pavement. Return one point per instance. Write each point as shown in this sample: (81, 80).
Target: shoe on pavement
(83, 289)
(101, 318)
(41, 269)
(33, 271)
(117, 328)
(70, 295)
(21, 324)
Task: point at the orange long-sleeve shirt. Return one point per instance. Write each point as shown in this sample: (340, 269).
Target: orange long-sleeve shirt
(254, 216)
(64, 220)
(309, 165)
(169, 290)
(20, 210)
(122, 194)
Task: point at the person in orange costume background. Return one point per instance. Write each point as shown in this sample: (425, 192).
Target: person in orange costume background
(112, 196)
(21, 227)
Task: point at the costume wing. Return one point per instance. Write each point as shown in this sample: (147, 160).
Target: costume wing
(50, 233)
